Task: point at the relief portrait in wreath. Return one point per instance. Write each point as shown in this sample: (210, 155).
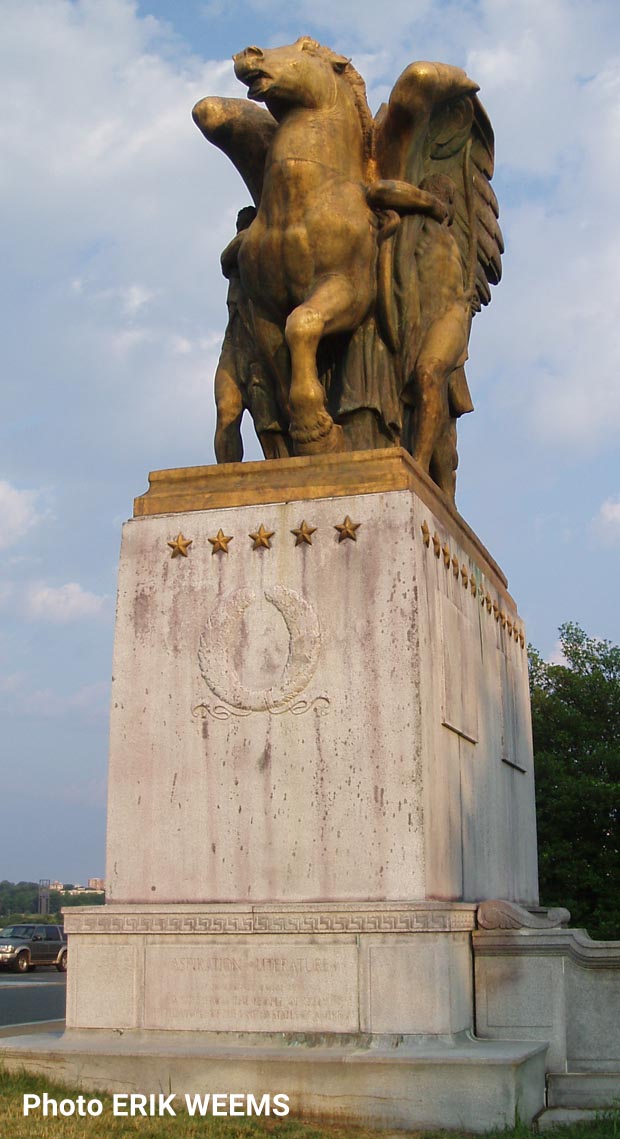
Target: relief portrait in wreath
(354, 279)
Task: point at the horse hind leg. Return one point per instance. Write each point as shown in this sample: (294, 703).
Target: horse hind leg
(329, 309)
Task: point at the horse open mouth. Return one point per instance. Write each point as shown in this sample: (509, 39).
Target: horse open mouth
(257, 82)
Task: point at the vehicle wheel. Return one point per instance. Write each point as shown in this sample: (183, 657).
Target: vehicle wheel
(22, 963)
(61, 964)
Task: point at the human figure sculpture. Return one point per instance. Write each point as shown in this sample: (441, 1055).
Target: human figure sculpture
(374, 242)
(241, 383)
(437, 392)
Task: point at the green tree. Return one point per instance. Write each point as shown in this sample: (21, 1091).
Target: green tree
(576, 723)
(18, 897)
(59, 901)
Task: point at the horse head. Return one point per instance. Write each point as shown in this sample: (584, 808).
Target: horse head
(300, 74)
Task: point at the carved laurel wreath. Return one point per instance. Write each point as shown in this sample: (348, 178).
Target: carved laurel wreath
(215, 660)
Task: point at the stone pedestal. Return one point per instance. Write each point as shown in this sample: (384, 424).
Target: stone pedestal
(334, 720)
(320, 761)
(376, 969)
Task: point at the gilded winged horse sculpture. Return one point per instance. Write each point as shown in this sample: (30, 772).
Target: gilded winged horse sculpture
(372, 244)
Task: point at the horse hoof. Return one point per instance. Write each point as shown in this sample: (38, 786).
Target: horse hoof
(333, 441)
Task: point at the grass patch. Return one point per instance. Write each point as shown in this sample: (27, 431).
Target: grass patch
(13, 1124)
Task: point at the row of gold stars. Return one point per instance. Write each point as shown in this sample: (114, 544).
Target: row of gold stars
(261, 538)
(451, 561)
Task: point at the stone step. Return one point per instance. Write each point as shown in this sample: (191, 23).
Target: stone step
(577, 1090)
(563, 1117)
(460, 1084)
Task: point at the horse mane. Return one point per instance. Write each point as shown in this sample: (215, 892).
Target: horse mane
(344, 67)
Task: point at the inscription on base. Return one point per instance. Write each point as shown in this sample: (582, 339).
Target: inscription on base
(253, 989)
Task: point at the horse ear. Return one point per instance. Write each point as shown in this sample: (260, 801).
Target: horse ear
(339, 63)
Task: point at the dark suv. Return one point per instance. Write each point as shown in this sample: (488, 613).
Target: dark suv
(24, 946)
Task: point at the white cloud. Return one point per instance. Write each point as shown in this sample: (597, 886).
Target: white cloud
(181, 346)
(63, 603)
(134, 298)
(556, 656)
(111, 190)
(11, 682)
(21, 696)
(606, 524)
(20, 510)
(91, 702)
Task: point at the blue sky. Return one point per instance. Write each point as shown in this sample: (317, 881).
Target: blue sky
(113, 213)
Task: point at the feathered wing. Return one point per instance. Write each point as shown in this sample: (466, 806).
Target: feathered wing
(435, 125)
(469, 163)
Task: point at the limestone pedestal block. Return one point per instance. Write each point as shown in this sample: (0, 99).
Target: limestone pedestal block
(343, 718)
(378, 969)
(320, 760)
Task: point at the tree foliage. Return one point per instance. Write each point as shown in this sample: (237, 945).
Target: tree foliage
(19, 901)
(60, 900)
(18, 897)
(576, 722)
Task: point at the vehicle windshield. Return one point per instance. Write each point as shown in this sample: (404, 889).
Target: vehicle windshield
(17, 931)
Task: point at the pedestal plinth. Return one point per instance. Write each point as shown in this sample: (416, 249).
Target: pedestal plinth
(344, 718)
(320, 761)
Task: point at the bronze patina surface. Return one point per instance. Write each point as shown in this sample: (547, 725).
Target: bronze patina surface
(355, 276)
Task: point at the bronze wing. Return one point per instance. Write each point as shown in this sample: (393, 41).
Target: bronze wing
(434, 124)
(466, 154)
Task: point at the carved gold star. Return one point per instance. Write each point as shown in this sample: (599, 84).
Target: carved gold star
(220, 543)
(436, 544)
(446, 555)
(464, 576)
(455, 565)
(347, 529)
(180, 545)
(262, 538)
(426, 534)
(304, 534)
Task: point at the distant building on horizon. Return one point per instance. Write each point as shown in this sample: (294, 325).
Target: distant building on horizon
(97, 884)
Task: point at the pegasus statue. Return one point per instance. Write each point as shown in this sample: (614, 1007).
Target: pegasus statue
(371, 244)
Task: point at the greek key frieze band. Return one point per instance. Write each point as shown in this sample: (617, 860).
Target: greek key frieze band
(346, 921)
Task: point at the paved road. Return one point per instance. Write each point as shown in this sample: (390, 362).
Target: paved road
(32, 998)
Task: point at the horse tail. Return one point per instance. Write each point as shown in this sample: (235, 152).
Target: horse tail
(386, 315)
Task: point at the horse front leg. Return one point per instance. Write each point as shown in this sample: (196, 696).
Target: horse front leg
(332, 307)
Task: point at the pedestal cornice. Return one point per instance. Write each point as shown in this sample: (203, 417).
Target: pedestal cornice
(185, 489)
